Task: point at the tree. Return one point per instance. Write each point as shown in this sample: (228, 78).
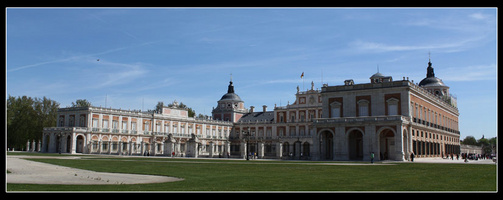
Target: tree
(485, 144)
(158, 107)
(469, 140)
(192, 112)
(26, 118)
(81, 103)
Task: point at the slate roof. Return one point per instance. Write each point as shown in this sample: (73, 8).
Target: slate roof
(267, 116)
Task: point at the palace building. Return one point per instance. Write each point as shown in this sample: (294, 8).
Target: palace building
(390, 118)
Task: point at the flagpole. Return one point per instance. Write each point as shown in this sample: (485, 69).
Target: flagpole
(302, 77)
(302, 84)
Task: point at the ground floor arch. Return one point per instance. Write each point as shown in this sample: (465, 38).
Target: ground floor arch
(80, 144)
(306, 152)
(386, 144)
(355, 144)
(326, 145)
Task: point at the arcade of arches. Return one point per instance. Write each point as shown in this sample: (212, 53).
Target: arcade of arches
(356, 144)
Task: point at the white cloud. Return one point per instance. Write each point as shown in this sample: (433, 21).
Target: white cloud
(478, 16)
(469, 73)
(113, 74)
(453, 46)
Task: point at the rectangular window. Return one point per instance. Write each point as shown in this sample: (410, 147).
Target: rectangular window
(336, 112)
(133, 126)
(392, 109)
(363, 110)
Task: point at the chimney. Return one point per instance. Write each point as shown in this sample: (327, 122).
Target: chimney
(264, 108)
(251, 108)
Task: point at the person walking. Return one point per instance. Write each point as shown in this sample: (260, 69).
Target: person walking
(372, 157)
(412, 157)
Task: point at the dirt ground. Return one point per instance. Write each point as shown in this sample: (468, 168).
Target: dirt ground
(31, 172)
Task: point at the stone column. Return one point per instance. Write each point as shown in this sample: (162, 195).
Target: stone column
(243, 149)
(100, 147)
(90, 147)
(399, 154)
(279, 150)
(370, 139)
(227, 149)
(119, 151)
(260, 153)
(211, 149)
(33, 146)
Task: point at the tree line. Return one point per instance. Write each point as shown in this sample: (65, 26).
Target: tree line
(26, 118)
(486, 144)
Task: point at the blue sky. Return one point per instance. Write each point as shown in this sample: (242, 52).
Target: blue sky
(187, 54)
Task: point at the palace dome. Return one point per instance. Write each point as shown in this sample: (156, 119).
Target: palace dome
(230, 96)
(430, 79)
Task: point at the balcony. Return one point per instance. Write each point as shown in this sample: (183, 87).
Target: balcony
(392, 118)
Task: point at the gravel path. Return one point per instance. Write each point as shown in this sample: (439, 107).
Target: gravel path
(31, 172)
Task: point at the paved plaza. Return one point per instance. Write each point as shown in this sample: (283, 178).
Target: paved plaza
(445, 160)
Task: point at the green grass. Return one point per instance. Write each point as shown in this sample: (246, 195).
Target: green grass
(237, 175)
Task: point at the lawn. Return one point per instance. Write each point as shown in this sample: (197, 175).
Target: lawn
(241, 175)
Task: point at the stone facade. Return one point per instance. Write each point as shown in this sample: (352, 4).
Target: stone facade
(392, 119)
(125, 132)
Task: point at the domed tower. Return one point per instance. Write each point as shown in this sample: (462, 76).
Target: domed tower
(230, 107)
(434, 84)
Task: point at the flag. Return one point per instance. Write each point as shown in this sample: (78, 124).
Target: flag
(302, 75)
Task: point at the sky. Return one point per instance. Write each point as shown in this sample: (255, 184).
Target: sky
(132, 58)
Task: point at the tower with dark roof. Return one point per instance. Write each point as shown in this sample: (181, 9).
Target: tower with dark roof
(433, 84)
(230, 107)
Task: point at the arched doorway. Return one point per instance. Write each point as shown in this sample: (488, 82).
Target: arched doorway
(305, 151)
(297, 149)
(286, 150)
(355, 145)
(80, 144)
(69, 144)
(58, 143)
(387, 145)
(326, 145)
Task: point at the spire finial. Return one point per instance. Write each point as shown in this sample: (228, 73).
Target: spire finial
(231, 76)
(429, 56)
(377, 68)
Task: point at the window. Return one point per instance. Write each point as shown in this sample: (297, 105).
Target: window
(95, 123)
(124, 125)
(82, 121)
(335, 109)
(72, 120)
(392, 106)
(363, 108)
(133, 126)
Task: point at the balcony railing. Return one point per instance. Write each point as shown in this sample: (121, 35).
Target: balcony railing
(360, 119)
